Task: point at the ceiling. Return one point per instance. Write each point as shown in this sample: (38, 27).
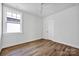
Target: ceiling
(52, 8)
(41, 9)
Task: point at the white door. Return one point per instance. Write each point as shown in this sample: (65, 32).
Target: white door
(51, 29)
(45, 28)
(48, 29)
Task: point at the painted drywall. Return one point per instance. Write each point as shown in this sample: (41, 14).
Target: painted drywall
(66, 26)
(0, 25)
(32, 28)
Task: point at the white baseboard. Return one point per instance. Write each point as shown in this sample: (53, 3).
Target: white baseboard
(9, 45)
(72, 45)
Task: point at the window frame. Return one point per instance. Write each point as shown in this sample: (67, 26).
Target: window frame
(5, 20)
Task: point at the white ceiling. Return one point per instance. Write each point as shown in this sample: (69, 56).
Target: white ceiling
(39, 9)
(52, 8)
(33, 8)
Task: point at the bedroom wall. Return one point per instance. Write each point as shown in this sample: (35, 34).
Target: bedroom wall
(0, 25)
(66, 26)
(32, 29)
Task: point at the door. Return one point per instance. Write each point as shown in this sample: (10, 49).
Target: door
(48, 29)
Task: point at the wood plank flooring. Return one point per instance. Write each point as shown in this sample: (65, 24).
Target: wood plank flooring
(42, 47)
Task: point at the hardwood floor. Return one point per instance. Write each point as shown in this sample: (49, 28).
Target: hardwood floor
(40, 47)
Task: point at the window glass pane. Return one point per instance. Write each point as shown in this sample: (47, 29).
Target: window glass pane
(12, 28)
(13, 15)
(18, 16)
(9, 14)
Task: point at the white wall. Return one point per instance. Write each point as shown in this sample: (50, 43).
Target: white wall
(32, 28)
(0, 25)
(66, 26)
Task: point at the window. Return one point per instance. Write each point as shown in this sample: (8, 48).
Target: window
(13, 21)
